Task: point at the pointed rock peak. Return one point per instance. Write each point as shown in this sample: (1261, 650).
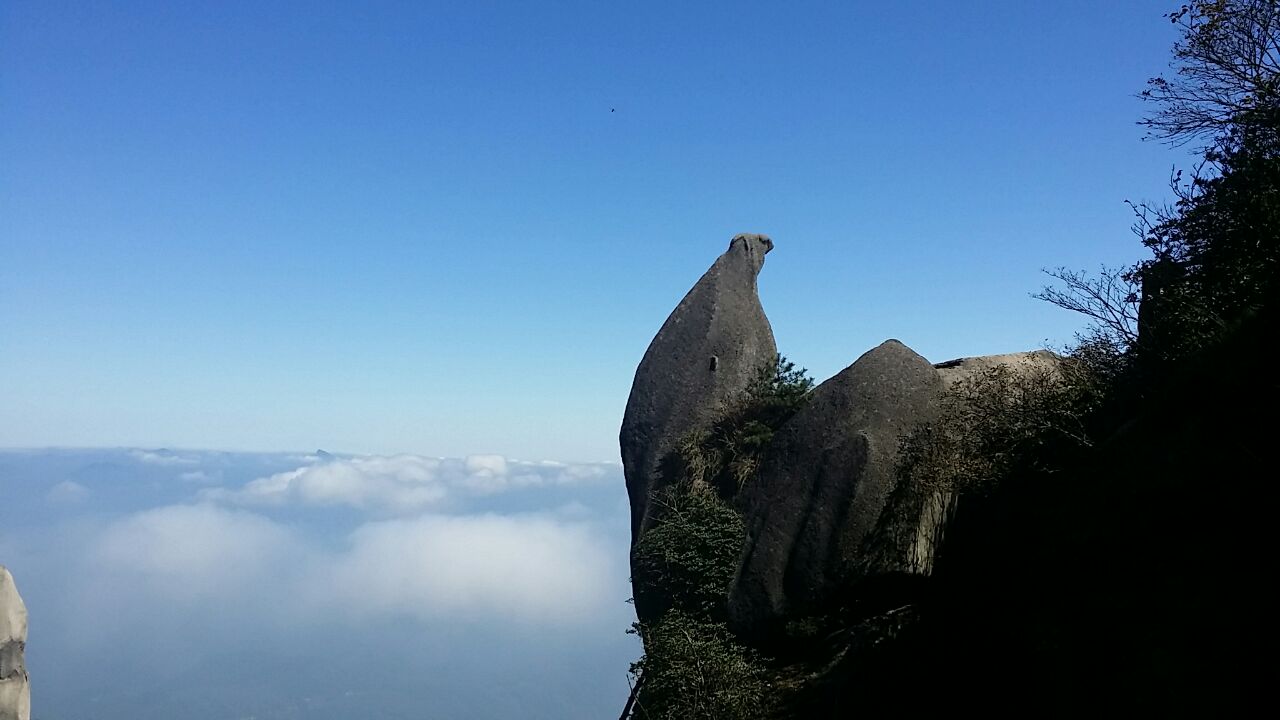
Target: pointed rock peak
(704, 357)
(890, 360)
(891, 345)
(752, 247)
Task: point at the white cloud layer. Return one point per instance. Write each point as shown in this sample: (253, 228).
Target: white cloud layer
(231, 587)
(402, 484)
(532, 568)
(163, 457)
(67, 492)
(194, 550)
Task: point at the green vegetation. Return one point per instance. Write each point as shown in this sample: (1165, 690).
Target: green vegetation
(692, 551)
(1215, 253)
(693, 667)
(695, 670)
(726, 455)
(995, 423)
(1107, 528)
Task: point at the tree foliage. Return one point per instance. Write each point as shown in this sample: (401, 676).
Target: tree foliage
(692, 666)
(1001, 421)
(695, 670)
(1215, 252)
(1109, 299)
(726, 455)
(1224, 71)
(1215, 255)
(691, 552)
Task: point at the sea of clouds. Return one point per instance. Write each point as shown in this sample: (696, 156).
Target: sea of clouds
(235, 585)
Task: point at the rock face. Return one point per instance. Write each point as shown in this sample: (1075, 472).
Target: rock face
(934, 510)
(15, 689)
(825, 479)
(705, 355)
(953, 371)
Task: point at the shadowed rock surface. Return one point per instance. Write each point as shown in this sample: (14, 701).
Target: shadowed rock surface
(929, 520)
(15, 690)
(705, 355)
(824, 482)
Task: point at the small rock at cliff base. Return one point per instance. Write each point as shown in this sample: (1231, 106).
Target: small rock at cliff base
(703, 358)
(15, 688)
(825, 480)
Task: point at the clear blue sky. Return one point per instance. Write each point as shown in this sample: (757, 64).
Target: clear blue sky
(451, 228)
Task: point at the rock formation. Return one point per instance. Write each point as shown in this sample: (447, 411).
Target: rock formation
(1032, 488)
(704, 356)
(15, 690)
(825, 480)
(953, 371)
(826, 509)
(926, 520)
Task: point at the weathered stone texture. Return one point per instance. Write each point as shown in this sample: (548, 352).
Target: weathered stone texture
(704, 357)
(953, 371)
(15, 689)
(825, 480)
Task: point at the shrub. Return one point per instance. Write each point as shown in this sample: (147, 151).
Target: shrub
(690, 554)
(693, 667)
(695, 670)
(726, 455)
(997, 425)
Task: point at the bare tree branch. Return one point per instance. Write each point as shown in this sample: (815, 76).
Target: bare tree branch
(1109, 298)
(1225, 68)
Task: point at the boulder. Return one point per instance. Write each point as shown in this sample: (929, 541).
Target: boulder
(825, 479)
(953, 371)
(927, 512)
(703, 357)
(15, 689)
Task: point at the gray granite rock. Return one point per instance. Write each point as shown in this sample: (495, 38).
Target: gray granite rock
(912, 532)
(825, 480)
(703, 357)
(953, 371)
(15, 688)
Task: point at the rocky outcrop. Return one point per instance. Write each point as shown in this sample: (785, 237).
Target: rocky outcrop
(825, 480)
(704, 356)
(953, 371)
(15, 689)
(931, 510)
(827, 508)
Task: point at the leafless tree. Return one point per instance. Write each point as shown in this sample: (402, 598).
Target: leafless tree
(1225, 70)
(1109, 298)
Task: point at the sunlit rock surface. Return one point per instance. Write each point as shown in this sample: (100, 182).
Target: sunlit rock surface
(15, 688)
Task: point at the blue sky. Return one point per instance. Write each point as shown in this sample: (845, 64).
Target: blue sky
(453, 228)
